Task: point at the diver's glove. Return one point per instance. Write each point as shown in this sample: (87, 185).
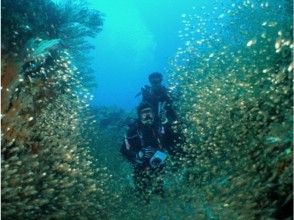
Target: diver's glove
(146, 153)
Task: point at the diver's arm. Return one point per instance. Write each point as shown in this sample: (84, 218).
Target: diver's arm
(170, 112)
(131, 144)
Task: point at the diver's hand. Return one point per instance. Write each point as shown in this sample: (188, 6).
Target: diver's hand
(146, 153)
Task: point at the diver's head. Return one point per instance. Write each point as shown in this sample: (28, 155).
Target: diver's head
(145, 113)
(155, 79)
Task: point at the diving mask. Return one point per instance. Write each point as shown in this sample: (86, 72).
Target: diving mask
(147, 116)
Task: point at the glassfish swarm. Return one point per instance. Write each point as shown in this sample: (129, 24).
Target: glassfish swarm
(232, 86)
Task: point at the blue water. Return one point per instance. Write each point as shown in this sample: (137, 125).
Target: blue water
(138, 37)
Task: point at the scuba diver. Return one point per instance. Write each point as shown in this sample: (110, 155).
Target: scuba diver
(158, 97)
(146, 146)
(160, 100)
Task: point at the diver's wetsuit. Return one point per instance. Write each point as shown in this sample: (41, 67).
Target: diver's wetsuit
(157, 97)
(146, 178)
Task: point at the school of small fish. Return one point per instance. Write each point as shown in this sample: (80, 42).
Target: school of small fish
(232, 86)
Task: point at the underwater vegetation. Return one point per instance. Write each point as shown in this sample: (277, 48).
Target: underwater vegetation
(47, 170)
(233, 85)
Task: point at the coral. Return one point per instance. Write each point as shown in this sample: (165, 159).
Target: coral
(233, 94)
(47, 170)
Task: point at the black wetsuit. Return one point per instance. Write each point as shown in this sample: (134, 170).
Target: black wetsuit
(159, 98)
(146, 178)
